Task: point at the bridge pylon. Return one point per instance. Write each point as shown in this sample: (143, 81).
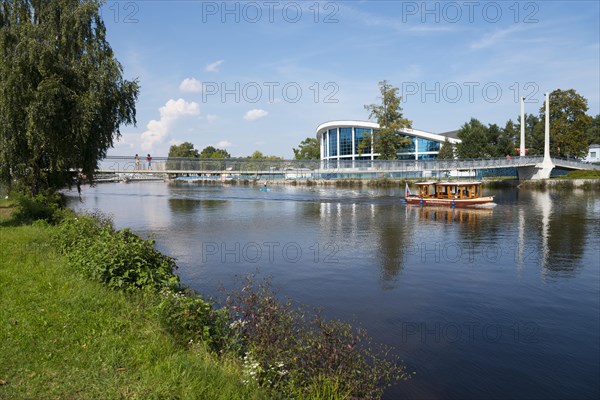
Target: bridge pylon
(543, 169)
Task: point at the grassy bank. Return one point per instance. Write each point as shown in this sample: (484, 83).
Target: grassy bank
(89, 311)
(64, 336)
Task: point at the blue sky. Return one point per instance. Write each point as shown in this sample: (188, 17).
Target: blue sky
(263, 75)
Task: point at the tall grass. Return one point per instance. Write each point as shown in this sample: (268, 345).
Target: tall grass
(64, 336)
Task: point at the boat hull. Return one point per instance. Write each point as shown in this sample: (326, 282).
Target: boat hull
(476, 202)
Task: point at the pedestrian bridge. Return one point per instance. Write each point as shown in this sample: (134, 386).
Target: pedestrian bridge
(231, 168)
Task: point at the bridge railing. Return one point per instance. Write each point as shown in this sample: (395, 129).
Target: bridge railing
(569, 162)
(246, 166)
(427, 165)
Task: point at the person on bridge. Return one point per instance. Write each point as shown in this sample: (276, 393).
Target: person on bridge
(508, 157)
(137, 162)
(149, 160)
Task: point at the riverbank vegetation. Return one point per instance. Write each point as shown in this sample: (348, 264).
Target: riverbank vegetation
(94, 312)
(64, 336)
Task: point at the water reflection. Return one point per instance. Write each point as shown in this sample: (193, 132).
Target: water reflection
(562, 233)
(448, 214)
(392, 234)
(530, 261)
(190, 205)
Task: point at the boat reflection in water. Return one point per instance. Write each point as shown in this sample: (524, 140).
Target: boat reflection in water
(446, 214)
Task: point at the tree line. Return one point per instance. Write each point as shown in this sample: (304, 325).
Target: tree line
(572, 131)
(187, 150)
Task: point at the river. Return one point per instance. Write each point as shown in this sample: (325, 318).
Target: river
(501, 303)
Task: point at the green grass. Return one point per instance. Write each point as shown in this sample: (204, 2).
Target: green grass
(582, 174)
(6, 209)
(63, 336)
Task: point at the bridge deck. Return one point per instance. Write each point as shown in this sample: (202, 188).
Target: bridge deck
(186, 166)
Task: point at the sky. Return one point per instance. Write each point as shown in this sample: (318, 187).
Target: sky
(262, 75)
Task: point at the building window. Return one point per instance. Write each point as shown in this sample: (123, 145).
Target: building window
(428, 145)
(592, 154)
(406, 156)
(410, 148)
(332, 142)
(360, 134)
(345, 141)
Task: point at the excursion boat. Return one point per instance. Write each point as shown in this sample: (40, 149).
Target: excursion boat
(453, 194)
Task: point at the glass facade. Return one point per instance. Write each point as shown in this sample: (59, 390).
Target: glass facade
(342, 142)
(427, 145)
(332, 142)
(345, 141)
(410, 148)
(359, 136)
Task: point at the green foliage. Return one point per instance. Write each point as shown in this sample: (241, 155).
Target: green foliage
(120, 259)
(568, 123)
(474, 136)
(49, 208)
(191, 319)
(308, 149)
(62, 95)
(480, 141)
(185, 149)
(291, 351)
(571, 131)
(593, 132)
(509, 140)
(212, 152)
(66, 337)
(258, 155)
(583, 174)
(386, 140)
(534, 134)
(446, 151)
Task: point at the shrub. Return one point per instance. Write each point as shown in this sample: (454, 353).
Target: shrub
(120, 259)
(49, 208)
(293, 352)
(584, 174)
(191, 319)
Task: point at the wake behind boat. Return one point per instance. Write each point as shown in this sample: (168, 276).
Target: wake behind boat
(453, 194)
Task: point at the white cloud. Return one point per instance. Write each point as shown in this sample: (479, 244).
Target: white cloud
(192, 85)
(224, 144)
(211, 118)
(128, 142)
(255, 114)
(157, 131)
(493, 38)
(214, 67)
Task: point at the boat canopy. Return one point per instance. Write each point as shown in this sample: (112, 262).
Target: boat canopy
(449, 190)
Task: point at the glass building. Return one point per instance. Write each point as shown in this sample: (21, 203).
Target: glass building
(342, 140)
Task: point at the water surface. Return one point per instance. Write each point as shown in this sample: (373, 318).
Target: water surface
(500, 303)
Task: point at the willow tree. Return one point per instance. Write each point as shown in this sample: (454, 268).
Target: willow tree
(62, 93)
(386, 140)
